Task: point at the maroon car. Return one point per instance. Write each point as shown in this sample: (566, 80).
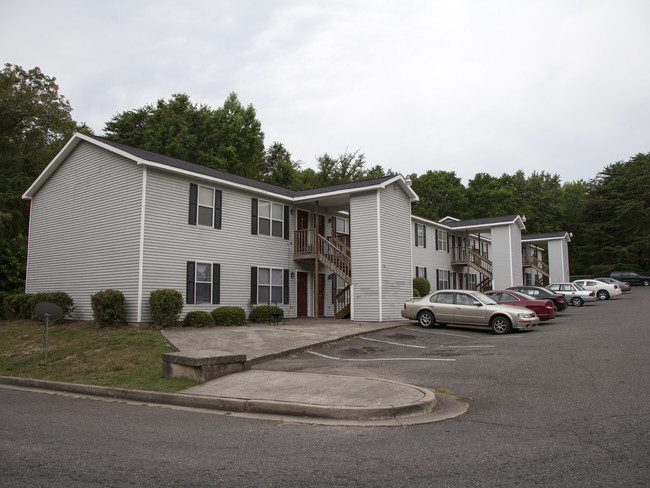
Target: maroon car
(545, 309)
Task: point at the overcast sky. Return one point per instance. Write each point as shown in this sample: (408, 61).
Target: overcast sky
(493, 86)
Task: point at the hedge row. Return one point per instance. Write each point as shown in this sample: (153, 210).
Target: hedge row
(166, 306)
(21, 305)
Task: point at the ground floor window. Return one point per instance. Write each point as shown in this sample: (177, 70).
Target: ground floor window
(203, 282)
(269, 285)
(420, 272)
(443, 279)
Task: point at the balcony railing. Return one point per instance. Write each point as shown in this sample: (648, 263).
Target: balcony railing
(308, 244)
(464, 256)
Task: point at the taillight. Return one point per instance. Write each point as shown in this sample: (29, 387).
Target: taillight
(560, 298)
(615, 287)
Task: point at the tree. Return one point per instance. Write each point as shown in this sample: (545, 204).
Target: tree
(35, 121)
(441, 194)
(279, 168)
(229, 138)
(618, 215)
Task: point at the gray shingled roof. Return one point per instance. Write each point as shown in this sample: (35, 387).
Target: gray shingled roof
(204, 170)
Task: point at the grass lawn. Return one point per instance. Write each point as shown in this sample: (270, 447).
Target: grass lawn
(80, 352)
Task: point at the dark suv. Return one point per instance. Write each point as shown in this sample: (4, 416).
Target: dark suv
(631, 277)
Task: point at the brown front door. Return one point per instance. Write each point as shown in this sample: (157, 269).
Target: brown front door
(321, 225)
(303, 220)
(303, 297)
(321, 294)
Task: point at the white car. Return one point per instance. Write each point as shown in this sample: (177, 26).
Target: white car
(603, 290)
(574, 294)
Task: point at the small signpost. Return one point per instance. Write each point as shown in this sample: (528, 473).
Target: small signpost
(48, 311)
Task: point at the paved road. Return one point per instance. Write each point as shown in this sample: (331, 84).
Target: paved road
(565, 405)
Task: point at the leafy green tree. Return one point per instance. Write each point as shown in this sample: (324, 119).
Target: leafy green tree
(489, 196)
(229, 138)
(441, 193)
(618, 216)
(35, 121)
(280, 169)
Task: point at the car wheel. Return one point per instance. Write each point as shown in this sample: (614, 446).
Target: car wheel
(500, 325)
(577, 302)
(426, 319)
(646, 282)
(602, 295)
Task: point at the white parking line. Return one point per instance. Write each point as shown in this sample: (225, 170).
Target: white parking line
(442, 333)
(380, 359)
(393, 343)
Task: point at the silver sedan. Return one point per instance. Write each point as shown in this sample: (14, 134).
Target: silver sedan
(464, 307)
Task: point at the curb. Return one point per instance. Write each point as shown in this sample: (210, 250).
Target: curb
(421, 407)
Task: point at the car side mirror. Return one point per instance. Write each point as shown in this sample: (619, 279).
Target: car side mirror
(477, 304)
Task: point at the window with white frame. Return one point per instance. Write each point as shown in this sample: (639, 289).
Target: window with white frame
(443, 279)
(271, 218)
(342, 226)
(269, 285)
(420, 235)
(203, 283)
(484, 250)
(472, 281)
(206, 206)
(442, 237)
(420, 272)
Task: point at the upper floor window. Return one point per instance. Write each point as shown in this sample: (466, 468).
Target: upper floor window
(442, 240)
(205, 206)
(420, 235)
(342, 226)
(270, 219)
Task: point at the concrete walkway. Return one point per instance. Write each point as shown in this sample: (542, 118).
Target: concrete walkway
(305, 394)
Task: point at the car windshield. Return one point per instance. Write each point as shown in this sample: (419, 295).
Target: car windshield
(484, 298)
(579, 287)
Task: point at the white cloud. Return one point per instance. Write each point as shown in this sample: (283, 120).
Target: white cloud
(463, 85)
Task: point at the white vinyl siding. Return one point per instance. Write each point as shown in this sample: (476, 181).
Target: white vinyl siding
(85, 229)
(396, 275)
(169, 244)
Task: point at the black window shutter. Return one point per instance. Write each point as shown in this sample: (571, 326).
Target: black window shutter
(217, 209)
(437, 248)
(437, 279)
(286, 221)
(189, 293)
(285, 291)
(253, 284)
(425, 272)
(448, 242)
(216, 283)
(333, 288)
(333, 225)
(416, 235)
(416, 272)
(194, 191)
(424, 236)
(254, 217)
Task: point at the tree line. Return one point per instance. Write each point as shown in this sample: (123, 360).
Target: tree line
(608, 215)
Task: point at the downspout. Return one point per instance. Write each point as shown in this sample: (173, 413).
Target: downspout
(381, 301)
(141, 256)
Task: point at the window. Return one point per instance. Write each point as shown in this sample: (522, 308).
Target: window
(420, 272)
(472, 281)
(342, 226)
(442, 240)
(203, 283)
(205, 206)
(270, 219)
(269, 285)
(420, 235)
(484, 250)
(442, 279)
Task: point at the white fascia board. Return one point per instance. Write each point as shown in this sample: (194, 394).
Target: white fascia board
(563, 237)
(347, 191)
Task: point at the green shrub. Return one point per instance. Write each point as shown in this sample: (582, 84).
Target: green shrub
(108, 307)
(60, 298)
(266, 314)
(198, 318)
(229, 316)
(19, 306)
(421, 287)
(165, 307)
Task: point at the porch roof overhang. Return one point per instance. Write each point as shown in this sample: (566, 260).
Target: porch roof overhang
(551, 236)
